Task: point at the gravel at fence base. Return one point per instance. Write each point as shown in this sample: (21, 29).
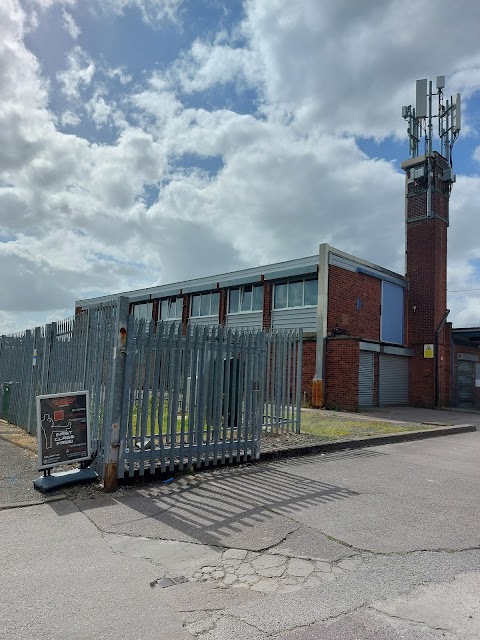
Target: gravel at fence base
(278, 441)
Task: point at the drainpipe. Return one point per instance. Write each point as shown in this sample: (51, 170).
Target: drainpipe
(437, 332)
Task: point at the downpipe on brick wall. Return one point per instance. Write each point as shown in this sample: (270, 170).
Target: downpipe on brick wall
(437, 332)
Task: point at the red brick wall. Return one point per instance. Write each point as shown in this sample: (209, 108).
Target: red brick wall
(222, 314)
(308, 367)
(185, 311)
(344, 288)
(427, 273)
(341, 375)
(267, 306)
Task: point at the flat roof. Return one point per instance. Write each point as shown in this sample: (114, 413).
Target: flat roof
(286, 269)
(466, 335)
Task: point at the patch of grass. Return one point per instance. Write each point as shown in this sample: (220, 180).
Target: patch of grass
(338, 428)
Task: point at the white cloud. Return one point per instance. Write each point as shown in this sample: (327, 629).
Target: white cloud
(70, 25)
(70, 119)
(78, 74)
(120, 74)
(153, 12)
(351, 66)
(207, 65)
(99, 110)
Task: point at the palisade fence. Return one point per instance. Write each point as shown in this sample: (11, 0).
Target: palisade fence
(70, 355)
(162, 397)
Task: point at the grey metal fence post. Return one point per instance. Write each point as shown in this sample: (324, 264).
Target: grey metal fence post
(111, 436)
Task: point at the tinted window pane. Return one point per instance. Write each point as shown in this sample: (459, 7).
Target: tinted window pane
(246, 301)
(311, 292)
(164, 310)
(392, 313)
(233, 301)
(195, 306)
(280, 296)
(295, 294)
(257, 304)
(215, 304)
(179, 308)
(205, 304)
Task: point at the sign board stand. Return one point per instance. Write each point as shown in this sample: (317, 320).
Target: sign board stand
(50, 482)
(63, 432)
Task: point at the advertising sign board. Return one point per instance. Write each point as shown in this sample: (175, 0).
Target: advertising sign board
(63, 429)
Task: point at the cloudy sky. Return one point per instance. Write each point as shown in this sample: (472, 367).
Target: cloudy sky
(149, 141)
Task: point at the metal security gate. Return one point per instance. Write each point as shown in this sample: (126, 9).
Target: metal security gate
(366, 380)
(465, 383)
(393, 380)
(200, 396)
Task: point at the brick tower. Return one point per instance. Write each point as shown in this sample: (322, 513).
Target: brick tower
(428, 183)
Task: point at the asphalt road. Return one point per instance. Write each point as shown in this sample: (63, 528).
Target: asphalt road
(377, 543)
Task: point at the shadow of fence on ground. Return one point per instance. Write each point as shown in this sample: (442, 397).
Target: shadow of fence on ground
(251, 507)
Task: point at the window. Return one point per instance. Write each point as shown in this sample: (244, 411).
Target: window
(281, 296)
(310, 293)
(205, 304)
(143, 311)
(171, 308)
(299, 293)
(245, 299)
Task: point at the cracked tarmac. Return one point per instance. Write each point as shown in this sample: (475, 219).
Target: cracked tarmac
(379, 543)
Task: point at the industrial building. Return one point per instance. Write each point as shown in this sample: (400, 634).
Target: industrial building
(371, 337)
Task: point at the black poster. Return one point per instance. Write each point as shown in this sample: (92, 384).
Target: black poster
(63, 429)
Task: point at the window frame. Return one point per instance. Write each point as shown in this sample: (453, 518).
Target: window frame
(240, 291)
(138, 305)
(172, 301)
(199, 296)
(288, 283)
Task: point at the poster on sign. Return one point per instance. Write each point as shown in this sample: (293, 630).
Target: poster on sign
(63, 429)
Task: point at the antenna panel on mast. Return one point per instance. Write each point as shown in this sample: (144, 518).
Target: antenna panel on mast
(457, 114)
(421, 101)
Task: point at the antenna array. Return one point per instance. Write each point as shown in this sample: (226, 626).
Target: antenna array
(420, 119)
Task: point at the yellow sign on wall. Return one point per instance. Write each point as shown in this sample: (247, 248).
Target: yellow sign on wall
(428, 350)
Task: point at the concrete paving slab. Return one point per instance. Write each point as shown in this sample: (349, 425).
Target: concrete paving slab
(64, 581)
(188, 519)
(204, 600)
(366, 625)
(399, 496)
(177, 559)
(453, 606)
(378, 577)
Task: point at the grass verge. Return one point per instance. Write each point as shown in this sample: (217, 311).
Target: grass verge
(329, 427)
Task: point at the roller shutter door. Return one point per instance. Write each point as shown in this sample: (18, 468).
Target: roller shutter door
(465, 383)
(393, 380)
(365, 379)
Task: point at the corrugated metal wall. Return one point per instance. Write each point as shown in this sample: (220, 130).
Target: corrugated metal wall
(245, 320)
(299, 318)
